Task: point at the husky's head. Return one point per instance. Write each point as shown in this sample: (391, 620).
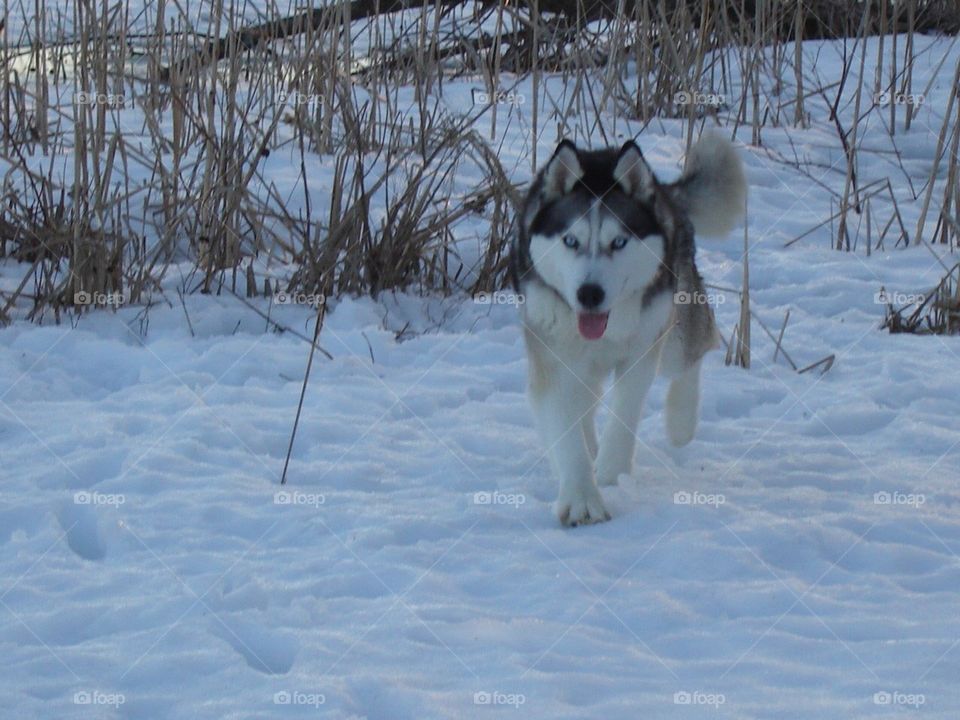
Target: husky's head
(592, 231)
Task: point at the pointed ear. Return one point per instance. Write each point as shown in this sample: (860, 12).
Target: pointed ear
(632, 172)
(562, 171)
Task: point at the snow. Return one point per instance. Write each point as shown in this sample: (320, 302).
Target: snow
(797, 560)
(148, 554)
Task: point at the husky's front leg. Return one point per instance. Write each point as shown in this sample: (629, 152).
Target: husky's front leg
(560, 410)
(682, 408)
(561, 402)
(632, 380)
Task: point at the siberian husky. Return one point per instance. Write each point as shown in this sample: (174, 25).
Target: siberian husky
(604, 259)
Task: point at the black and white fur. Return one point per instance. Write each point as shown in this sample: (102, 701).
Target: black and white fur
(604, 258)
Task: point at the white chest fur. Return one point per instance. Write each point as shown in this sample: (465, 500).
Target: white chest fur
(632, 329)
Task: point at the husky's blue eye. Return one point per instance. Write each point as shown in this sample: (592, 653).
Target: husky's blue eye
(619, 243)
(571, 242)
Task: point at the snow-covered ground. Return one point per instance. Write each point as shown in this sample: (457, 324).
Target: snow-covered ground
(799, 559)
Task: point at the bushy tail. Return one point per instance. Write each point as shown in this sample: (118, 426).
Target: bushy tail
(712, 187)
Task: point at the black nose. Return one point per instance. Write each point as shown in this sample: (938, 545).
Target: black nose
(590, 296)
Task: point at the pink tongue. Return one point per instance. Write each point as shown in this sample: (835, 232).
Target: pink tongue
(592, 325)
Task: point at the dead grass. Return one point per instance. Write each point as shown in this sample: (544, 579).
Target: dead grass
(937, 314)
(77, 217)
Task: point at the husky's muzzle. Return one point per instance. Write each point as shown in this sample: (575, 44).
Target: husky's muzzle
(590, 323)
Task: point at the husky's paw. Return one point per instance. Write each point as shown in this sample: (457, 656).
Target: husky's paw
(680, 430)
(608, 475)
(612, 464)
(608, 479)
(582, 505)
